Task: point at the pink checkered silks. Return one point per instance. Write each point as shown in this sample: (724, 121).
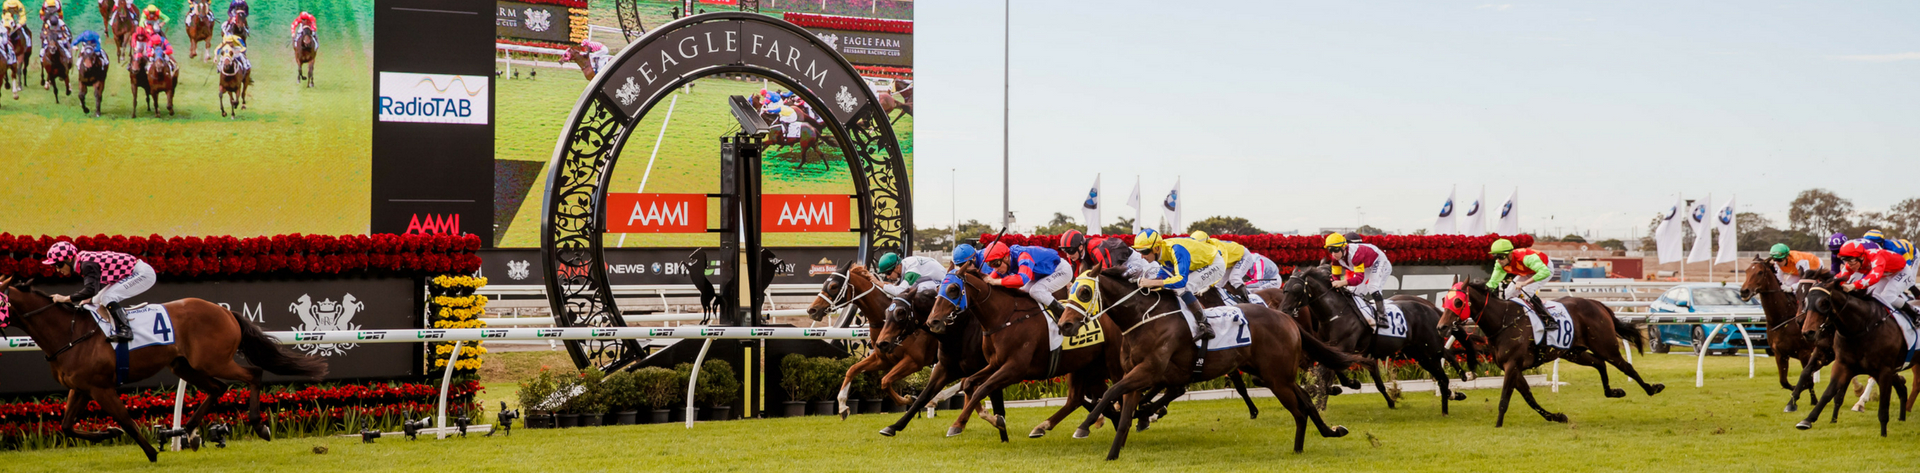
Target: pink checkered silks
(113, 266)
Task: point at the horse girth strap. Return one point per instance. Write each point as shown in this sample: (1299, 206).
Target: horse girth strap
(1143, 322)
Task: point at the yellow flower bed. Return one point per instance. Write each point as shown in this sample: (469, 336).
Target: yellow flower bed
(475, 301)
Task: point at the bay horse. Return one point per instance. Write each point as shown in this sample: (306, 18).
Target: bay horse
(199, 25)
(6, 73)
(93, 73)
(162, 75)
(236, 23)
(20, 40)
(137, 78)
(1016, 349)
(1596, 341)
(306, 48)
(121, 21)
(1157, 351)
(1784, 340)
(579, 55)
(857, 287)
(236, 76)
(1343, 327)
(1866, 341)
(959, 353)
(896, 98)
(207, 337)
(55, 59)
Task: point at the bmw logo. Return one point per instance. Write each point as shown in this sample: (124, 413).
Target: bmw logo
(656, 267)
(1506, 209)
(1446, 209)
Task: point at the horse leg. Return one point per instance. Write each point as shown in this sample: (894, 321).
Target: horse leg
(110, 401)
(1439, 373)
(999, 404)
(1835, 386)
(1908, 405)
(1127, 406)
(1514, 376)
(1866, 394)
(1240, 386)
(1887, 382)
(1129, 383)
(935, 380)
(1157, 409)
(900, 371)
(1900, 388)
(1590, 359)
(1621, 364)
(227, 369)
(870, 363)
(1002, 375)
(1526, 392)
(1780, 362)
(77, 403)
(211, 387)
(1074, 393)
(1373, 369)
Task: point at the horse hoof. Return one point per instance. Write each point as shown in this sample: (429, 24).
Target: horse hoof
(153, 457)
(843, 413)
(1616, 392)
(952, 431)
(1253, 414)
(887, 431)
(1081, 433)
(1459, 396)
(1338, 431)
(1037, 433)
(1561, 418)
(1657, 388)
(1803, 425)
(1333, 390)
(1791, 408)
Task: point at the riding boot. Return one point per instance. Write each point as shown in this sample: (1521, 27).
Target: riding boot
(1192, 304)
(1379, 305)
(1546, 319)
(122, 331)
(1056, 309)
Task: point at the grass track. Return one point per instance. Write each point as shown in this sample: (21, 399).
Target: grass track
(1733, 424)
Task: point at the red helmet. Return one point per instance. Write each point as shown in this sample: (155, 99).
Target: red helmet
(1073, 240)
(997, 251)
(1853, 249)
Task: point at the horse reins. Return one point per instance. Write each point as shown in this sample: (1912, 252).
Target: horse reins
(834, 303)
(72, 326)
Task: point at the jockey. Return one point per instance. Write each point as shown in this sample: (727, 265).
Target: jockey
(12, 15)
(1882, 273)
(236, 5)
(153, 18)
(1073, 247)
(1239, 261)
(106, 279)
(1833, 248)
(158, 46)
(1036, 270)
(909, 273)
(1361, 268)
(58, 11)
(232, 46)
(1899, 246)
(1517, 264)
(1789, 265)
(91, 39)
(305, 19)
(141, 34)
(1188, 265)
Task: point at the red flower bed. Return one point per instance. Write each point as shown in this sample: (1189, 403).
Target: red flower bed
(311, 404)
(564, 3)
(1295, 250)
(230, 257)
(849, 23)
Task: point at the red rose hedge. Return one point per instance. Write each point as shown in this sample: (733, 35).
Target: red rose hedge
(1296, 250)
(849, 23)
(233, 257)
(316, 409)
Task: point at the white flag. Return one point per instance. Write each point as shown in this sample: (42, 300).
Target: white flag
(1700, 217)
(1134, 201)
(1668, 238)
(1729, 234)
(1170, 208)
(1509, 216)
(1474, 222)
(1444, 224)
(1091, 208)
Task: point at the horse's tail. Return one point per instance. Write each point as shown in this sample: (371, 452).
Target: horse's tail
(266, 352)
(1626, 330)
(1325, 354)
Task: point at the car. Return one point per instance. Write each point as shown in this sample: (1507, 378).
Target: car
(1698, 298)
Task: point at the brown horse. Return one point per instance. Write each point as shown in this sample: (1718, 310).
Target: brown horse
(306, 47)
(1342, 327)
(1866, 341)
(959, 354)
(120, 22)
(162, 75)
(1596, 341)
(93, 75)
(1784, 340)
(199, 25)
(207, 337)
(1158, 351)
(106, 10)
(20, 40)
(236, 24)
(55, 58)
(857, 287)
(236, 76)
(896, 98)
(580, 56)
(1017, 348)
(137, 78)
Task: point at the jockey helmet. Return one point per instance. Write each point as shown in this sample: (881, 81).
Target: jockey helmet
(963, 254)
(1073, 240)
(1876, 236)
(1199, 236)
(888, 262)
(997, 251)
(1147, 239)
(1501, 247)
(61, 252)
(1779, 251)
(1834, 242)
(1336, 241)
(1853, 249)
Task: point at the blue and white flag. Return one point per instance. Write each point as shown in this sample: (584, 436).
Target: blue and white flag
(1509, 215)
(1090, 209)
(1444, 224)
(1170, 208)
(1668, 238)
(1134, 201)
(1700, 216)
(1473, 223)
(1729, 236)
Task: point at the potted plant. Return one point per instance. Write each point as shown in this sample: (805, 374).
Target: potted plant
(622, 393)
(592, 401)
(866, 388)
(913, 383)
(827, 376)
(678, 410)
(533, 394)
(658, 388)
(717, 389)
(796, 378)
(567, 391)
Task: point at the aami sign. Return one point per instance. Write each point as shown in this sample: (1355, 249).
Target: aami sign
(657, 213)
(804, 213)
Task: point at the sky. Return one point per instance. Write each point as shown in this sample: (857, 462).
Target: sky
(1302, 115)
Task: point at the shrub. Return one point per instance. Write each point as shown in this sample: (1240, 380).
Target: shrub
(796, 374)
(717, 386)
(659, 388)
(535, 391)
(622, 391)
(590, 396)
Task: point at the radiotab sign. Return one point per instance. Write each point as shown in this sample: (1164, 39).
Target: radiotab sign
(656, 213)
(788, 213)
(433, 98)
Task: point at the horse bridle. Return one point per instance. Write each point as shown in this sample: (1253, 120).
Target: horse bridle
(73, 326)
(846, 283)
(1824, 324)
(911, 325)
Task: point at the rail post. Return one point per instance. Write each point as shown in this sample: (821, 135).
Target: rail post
(446, 383)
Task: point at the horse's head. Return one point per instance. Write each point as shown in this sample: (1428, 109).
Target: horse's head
(1084, 301)
(1819, 304)
(837, 292)
(1760, 278)
(956, 296)
(19, 302)
(1465, 299)
(902, 317)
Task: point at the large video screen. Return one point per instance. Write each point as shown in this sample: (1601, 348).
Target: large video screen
(676, 148)
(293, 158)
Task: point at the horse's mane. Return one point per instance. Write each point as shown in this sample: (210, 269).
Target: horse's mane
(1819, 275)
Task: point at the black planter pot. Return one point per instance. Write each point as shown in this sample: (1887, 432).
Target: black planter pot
(720, 413)
(897, 408)
(794, 409)
(592, 419)
(871, 406)
(625, 417)
(659, 416)
(569, 420)
(540, 421)
(706, 413)
(823, 408)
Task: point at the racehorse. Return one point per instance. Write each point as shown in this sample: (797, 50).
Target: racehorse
(306, 48)
(93, 72)
(6, 73)
(137, 77)
(1784, 340)
(236, 24)
(1159, 352)
(199, 26)
(896, 98)
(55, 58)
(1342, 326)
(1596, 341)
(960, 353)
(120, 22)
(162, 75)
(855, 286)
(20, 40)
(207, 337)
(580, 56)
(236, 75)
(1866, 341)
(1018, 351)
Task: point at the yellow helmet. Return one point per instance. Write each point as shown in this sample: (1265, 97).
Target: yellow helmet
(1147, 239)
(1198, 236)
(1336, 240)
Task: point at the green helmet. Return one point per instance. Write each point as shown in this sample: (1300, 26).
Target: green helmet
(888, 262)
(1780, 251)
(1501, 247)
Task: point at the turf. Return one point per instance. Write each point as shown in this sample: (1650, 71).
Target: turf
(295, 161)
(1733, 424)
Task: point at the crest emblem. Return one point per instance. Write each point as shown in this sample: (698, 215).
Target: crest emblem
(325, 316)
(537, 20)
(1699, 213)
(628, 92)
(518, 270)
(1474, 210)
(1091, 203)
(832, 40)
(846, 100)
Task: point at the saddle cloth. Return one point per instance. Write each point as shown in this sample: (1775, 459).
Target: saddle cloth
(1907, 330)
(1089, 335)
(150, 324)
(1563, 338)
(1394, 324)
(1229, 328)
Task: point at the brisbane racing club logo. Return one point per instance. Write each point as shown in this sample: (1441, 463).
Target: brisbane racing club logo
(434, 98)
(1173, 201)
(517, 270)
(539, 20)
(325, 316)
(1474, 210)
